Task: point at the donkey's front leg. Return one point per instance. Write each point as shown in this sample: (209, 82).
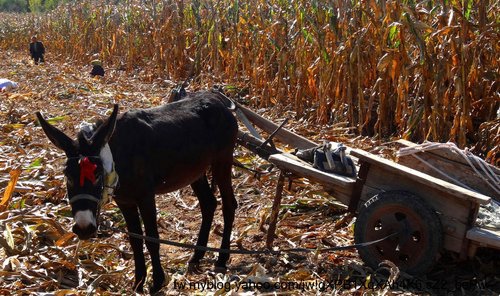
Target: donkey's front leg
(148, 214)
(208, 204)
(133, 221)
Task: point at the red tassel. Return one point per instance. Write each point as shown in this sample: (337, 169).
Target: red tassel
(87, 171)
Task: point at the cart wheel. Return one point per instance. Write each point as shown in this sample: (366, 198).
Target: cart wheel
(419, 239)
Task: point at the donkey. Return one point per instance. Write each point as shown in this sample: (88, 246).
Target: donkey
(152, 151)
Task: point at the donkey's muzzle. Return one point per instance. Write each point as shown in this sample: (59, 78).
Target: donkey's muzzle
(85, 224)
(85, 233)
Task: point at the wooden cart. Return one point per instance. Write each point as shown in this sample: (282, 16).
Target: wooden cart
(427, 213)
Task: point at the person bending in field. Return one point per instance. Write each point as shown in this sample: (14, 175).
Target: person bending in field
(37, 50)
(97, 69)
(7, 85)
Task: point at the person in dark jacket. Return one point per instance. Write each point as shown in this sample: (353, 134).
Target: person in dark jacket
(37, 50)
(97, 68)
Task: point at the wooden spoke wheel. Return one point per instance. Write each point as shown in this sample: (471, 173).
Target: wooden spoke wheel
(419, 233)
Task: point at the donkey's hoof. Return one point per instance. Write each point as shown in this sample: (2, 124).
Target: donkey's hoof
(194, 268)
(139, 286)
(220, 269)
(153, 290)
(158, 284)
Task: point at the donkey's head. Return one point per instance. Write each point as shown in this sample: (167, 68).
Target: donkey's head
(89, 166)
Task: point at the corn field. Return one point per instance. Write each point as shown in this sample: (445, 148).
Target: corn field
(419, 70)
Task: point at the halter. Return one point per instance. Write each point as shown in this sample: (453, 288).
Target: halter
(87, 171)
(109, 186)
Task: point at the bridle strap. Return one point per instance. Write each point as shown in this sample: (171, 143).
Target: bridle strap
(84, 197)
(111, 181)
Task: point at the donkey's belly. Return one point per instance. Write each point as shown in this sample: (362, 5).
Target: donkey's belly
(180, 178)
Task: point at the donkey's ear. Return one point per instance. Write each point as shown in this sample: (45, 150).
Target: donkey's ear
(105, 131)
(57, 137)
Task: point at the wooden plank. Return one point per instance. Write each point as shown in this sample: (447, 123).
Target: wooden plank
(293, 164)
(447, 154)
(465, 176)
(452, 243)
(381, 179)
(363, 171)
(485, 237)
(454, 213)
(283, 134)
(340, 187)
(420, 178)
(453, 167)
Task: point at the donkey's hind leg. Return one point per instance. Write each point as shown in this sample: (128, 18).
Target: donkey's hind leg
(208, 204)
(222, 173)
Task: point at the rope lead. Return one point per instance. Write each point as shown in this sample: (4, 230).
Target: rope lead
(251, 252)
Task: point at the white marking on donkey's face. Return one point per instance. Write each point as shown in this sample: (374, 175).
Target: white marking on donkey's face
(107, 158)
(105, 154)
(84, 218)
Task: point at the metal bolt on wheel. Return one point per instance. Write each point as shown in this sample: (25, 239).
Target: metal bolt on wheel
(419, 239)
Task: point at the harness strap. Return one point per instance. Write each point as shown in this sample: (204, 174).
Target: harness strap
(83, 197)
